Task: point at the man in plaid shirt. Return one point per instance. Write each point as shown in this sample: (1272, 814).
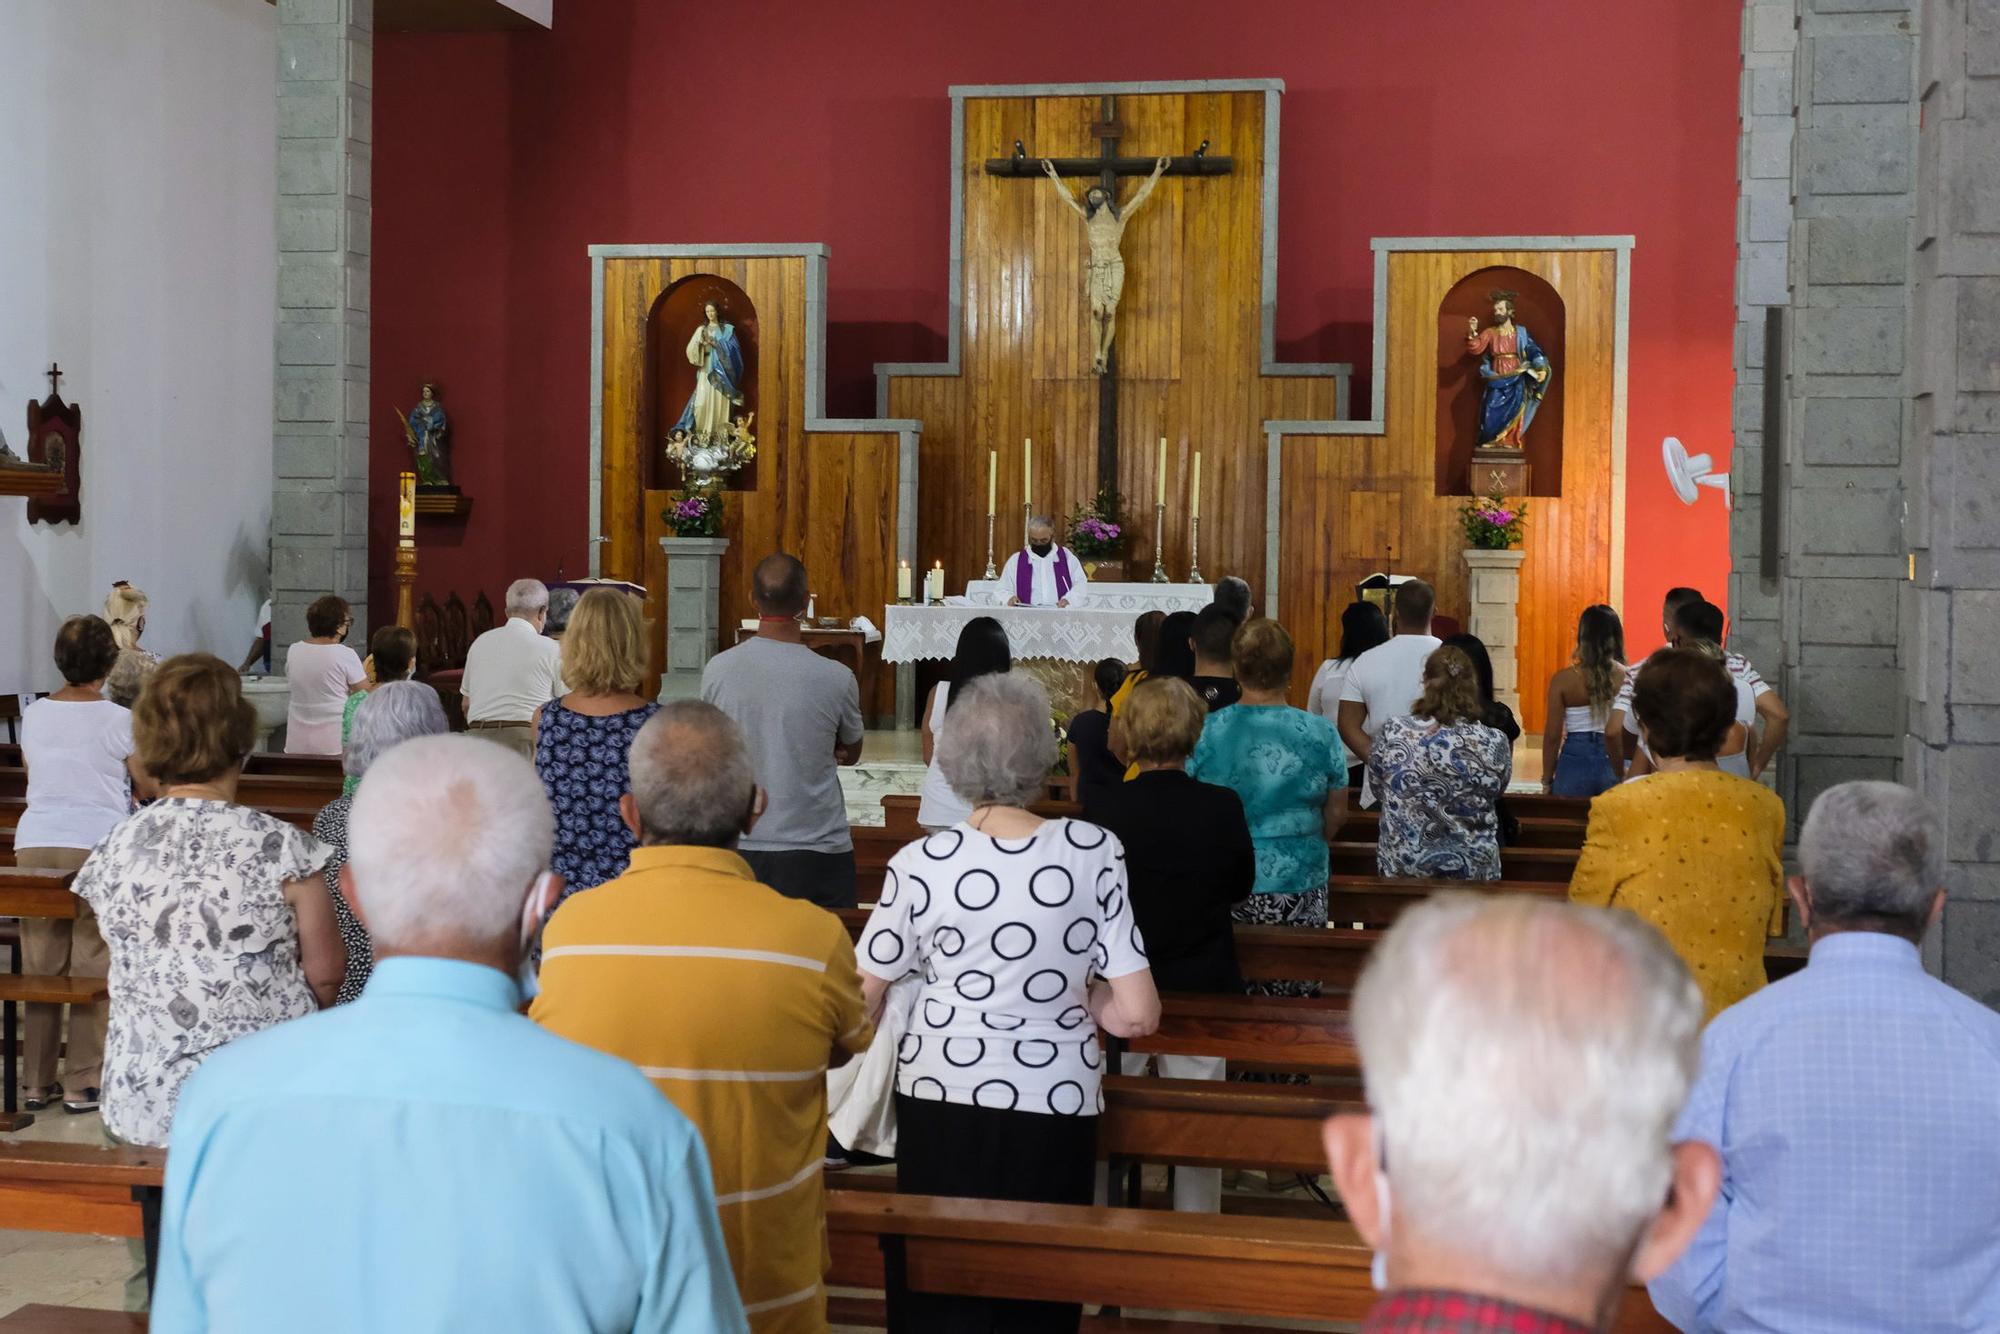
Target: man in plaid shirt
(1525, 1064)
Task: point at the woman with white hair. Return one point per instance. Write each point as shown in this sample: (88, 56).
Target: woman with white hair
(1023, 933)
(390, 714)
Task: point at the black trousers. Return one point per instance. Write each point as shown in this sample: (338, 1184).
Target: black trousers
(947, 1148)
(825, 878)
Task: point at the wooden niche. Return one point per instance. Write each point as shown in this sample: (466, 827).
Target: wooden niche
(670, 376)
(1541, 311)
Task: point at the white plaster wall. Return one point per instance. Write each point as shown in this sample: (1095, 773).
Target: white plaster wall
(138, 172)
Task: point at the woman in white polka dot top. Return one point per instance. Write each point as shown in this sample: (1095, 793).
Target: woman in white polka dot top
(1024, 935)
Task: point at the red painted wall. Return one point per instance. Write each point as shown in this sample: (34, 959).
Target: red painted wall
(500, 157)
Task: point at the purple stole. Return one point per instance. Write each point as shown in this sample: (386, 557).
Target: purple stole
(1024, 576)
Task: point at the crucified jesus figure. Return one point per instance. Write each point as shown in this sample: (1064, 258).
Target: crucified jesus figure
(1104, 219)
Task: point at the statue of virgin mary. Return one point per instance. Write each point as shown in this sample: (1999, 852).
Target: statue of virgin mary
(718, 357)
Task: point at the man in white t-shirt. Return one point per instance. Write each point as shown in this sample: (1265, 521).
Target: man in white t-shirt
(1388, 679)
(1689, 619)
(512, 670)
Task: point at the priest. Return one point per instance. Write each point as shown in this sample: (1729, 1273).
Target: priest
(1042, 574)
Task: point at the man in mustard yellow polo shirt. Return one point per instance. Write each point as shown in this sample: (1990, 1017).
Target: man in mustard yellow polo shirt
(732, 998)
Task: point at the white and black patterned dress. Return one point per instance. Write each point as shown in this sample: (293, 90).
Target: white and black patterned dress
(204, 947)
(330, 828)
(1007, 934)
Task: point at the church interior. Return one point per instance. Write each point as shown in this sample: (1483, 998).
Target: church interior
(1043, 319)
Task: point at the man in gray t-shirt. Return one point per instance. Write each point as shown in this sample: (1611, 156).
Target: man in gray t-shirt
(802, 716)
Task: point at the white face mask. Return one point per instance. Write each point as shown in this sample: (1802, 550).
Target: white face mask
(532, 920)
(1378, 1267)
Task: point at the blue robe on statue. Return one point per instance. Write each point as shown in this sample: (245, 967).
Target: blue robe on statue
(1512, 396)
(723, 373)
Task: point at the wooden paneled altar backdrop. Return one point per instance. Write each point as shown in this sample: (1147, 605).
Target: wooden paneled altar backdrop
(1190, 348)
(829, 496)
(1347, 501)
(1193, 367)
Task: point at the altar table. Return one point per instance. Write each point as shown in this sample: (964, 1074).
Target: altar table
(1129, 598)
(1066, 634)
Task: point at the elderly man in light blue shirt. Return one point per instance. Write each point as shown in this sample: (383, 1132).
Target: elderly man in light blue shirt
(426, 1158)
(1857, 1108)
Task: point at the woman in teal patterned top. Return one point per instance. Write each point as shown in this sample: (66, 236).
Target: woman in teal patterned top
(1290, 770)
(392, 656)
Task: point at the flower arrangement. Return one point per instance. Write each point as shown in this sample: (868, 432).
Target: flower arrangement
(1492, 524)
(1095, 532)
(696, 510)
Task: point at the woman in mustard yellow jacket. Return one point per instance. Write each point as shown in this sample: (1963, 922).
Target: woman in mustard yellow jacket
(1693, 850)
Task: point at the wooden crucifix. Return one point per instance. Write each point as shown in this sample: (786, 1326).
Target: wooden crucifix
(1104, 218)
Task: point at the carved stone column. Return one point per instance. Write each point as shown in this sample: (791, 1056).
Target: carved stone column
(694, 617)
(1496, 598)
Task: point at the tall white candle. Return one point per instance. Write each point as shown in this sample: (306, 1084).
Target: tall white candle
(992, 480)
(1194, 510)
(406, 505)
(1028, 471)
(1162, 496)
(902, 581)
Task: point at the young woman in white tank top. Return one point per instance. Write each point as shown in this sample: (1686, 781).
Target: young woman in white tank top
(1574, 762)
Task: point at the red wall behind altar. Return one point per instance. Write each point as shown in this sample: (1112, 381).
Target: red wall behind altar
(500, 157)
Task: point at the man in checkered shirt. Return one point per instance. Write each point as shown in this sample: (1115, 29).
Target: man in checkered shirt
(1525, 1063)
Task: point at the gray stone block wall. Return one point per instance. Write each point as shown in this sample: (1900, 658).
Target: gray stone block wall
(1835, 82)
(1885, 618)
(1763, 279)
(1952, 477)
(319, 509)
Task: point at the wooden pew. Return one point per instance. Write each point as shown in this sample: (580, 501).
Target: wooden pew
(39, 1319)
(1227, 1264)
(1376, 901)
(1218, 1263)
(51, 1187)
(1544, 864)
(263, 791)
(1215, 1123)
(1537, 831)
(1334, 957)
(296, 810)
(44, 894)
(275, 763)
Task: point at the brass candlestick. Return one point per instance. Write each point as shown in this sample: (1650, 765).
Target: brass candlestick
(1027, 517)
(1159, 542)
(991, 573)
(1194, 550)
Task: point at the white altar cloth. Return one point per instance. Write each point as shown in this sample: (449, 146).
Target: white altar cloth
(1130, 599)
(1071, 634)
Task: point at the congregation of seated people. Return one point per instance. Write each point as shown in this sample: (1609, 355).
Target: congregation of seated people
(579, 965)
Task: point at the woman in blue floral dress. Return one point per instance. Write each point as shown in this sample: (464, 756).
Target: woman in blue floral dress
(1437, 774)
(583, 740)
